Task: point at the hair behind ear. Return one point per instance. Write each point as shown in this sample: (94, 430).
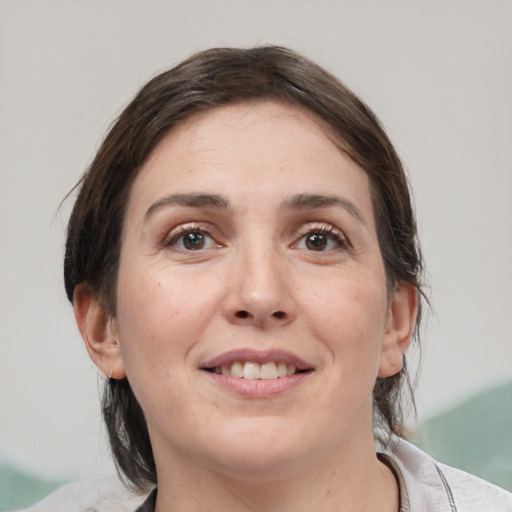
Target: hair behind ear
(128, 435)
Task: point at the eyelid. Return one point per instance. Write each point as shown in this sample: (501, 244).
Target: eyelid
(174, 234)
(326, 228)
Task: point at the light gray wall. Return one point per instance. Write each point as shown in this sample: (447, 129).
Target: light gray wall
(439, 74)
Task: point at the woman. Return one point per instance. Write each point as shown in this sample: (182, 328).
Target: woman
(243, 265)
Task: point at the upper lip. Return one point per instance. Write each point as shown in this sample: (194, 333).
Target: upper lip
(257, 356)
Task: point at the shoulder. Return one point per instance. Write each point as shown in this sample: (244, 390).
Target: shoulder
(431, 485)
(105, 495)
(472, 494)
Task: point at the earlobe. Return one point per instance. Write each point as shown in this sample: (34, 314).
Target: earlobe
(99, 332)
(399, 329)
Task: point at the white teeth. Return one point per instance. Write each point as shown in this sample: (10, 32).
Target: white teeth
(251, 370)
(268, 371)
(282, 370)
(237, 370)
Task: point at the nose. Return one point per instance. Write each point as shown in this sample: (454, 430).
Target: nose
(259, 290)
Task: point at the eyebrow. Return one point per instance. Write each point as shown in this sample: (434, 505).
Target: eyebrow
(215, 201)
(220, 202)
(313, 201)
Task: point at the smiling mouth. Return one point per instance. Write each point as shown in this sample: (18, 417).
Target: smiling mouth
(251, 370)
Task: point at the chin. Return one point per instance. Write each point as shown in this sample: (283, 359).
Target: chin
(259, 449)
(261, 466)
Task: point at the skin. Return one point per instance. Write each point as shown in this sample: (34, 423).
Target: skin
(259, 284)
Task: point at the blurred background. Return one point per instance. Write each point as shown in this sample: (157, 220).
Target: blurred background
(438, 74)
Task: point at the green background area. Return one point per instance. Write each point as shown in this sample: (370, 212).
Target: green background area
(18, 489)
(475, 436)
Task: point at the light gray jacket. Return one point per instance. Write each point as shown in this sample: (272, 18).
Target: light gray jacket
(425, 486)
(429, 486)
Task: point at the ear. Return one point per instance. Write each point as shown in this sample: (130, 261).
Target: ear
(99, 332)
(399, 329)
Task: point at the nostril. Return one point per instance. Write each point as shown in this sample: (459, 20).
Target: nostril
(242, 314)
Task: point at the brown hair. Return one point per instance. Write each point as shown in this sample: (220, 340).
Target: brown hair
(204, 81)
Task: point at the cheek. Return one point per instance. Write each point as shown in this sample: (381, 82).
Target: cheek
(160, 318)
(349, 317)
(351, 304)
(160, 321)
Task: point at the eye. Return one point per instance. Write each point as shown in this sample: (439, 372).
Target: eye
(190, 239)
(322, 240)
(193, 241)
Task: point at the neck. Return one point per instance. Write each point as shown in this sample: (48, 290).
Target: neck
(354, 480)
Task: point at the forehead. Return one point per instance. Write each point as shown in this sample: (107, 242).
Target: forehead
(265, 149)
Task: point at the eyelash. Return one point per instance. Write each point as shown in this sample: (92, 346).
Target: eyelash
(332, 234)
(171, 239)
(330, 231)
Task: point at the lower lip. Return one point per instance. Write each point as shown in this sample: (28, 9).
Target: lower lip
(257, 388)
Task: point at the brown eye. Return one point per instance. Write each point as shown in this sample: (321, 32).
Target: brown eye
(323, 240)
(194, 240)
(191, 240)
(316, 241)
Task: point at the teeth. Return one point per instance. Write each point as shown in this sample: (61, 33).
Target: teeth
(237, 370)
(282, 370)
(268, 371)
(250, 370)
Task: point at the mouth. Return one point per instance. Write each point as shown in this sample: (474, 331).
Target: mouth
(251, 365)
(251, 370)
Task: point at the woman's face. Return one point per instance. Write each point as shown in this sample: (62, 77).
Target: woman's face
(252, 301)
